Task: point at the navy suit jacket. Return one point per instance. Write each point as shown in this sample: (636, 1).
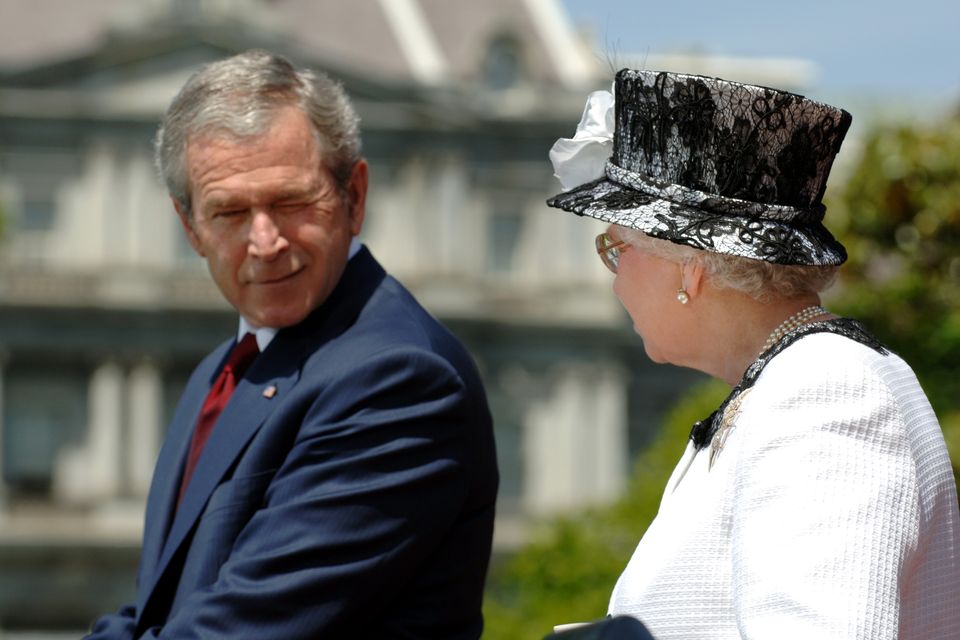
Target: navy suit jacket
(346, 491)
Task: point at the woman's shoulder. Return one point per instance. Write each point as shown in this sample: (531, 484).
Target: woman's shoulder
(850, 386)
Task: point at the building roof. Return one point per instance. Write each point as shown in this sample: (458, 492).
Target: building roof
(424, 42)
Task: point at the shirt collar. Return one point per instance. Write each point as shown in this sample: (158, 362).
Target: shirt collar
(263, 334)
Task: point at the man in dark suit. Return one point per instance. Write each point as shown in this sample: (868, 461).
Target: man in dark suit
(347, 488)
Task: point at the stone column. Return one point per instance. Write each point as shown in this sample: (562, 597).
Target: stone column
(575, 440)
(144, 420)
(550, 453)
(608, 431)
(91, 473)
(105, 429)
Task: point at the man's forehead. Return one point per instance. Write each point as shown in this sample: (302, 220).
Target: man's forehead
(288, 188)
(213, 157)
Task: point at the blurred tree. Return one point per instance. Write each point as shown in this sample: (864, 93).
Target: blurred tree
(899, 216)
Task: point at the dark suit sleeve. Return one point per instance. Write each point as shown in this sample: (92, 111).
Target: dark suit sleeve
(375, 477)
(115, 626)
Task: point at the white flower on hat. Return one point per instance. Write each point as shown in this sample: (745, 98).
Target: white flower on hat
(582, 159)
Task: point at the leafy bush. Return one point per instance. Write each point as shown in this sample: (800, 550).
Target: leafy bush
(899, 216)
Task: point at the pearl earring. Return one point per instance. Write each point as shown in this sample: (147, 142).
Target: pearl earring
(682, 296)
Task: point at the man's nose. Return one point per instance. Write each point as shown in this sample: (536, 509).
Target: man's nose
(266, 241)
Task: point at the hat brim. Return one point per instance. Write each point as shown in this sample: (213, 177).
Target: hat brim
(748, 237)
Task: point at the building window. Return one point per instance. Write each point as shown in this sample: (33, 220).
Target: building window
(502, 65)
(175, 380)
(504, 231)
(508, 431)
(44, 414)
(37, 177)
(38, 208)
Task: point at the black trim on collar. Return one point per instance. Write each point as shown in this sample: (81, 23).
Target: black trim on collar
(703, 431)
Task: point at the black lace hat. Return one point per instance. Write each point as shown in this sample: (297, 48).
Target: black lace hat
(717, 165)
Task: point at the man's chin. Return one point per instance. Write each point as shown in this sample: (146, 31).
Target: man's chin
(276, 314)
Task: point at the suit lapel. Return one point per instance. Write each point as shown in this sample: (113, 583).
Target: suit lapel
(241, 418)
(161, 500)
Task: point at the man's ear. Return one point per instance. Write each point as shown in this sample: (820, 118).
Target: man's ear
(187, 222)
(357, 195)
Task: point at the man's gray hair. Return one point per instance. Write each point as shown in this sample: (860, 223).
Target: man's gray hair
(237, 97)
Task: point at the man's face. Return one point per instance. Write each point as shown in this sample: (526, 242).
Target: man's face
(270, 220)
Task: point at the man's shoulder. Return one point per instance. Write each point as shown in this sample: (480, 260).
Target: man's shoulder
(393, 319)
(392, 323)
(372, 315)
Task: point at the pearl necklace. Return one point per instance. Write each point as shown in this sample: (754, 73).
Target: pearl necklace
(799, 318)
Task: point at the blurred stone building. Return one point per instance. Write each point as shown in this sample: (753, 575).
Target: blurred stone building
(104, 309)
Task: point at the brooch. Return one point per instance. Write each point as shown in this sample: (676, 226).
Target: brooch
(727, 422)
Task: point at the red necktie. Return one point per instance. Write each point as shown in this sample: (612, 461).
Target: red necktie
(240, 358)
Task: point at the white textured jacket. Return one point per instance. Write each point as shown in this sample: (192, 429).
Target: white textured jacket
(829, 512)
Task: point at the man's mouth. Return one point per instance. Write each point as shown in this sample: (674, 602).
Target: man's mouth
(277, 279)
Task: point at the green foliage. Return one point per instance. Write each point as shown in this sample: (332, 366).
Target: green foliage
(899, 217)
(568, 572)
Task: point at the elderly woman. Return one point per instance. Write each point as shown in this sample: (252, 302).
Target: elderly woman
(818, 501)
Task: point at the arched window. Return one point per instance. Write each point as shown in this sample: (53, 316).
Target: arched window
(503, 63)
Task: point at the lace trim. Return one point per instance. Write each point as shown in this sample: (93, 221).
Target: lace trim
(705, 431)
(746, 236)
(712, 202)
